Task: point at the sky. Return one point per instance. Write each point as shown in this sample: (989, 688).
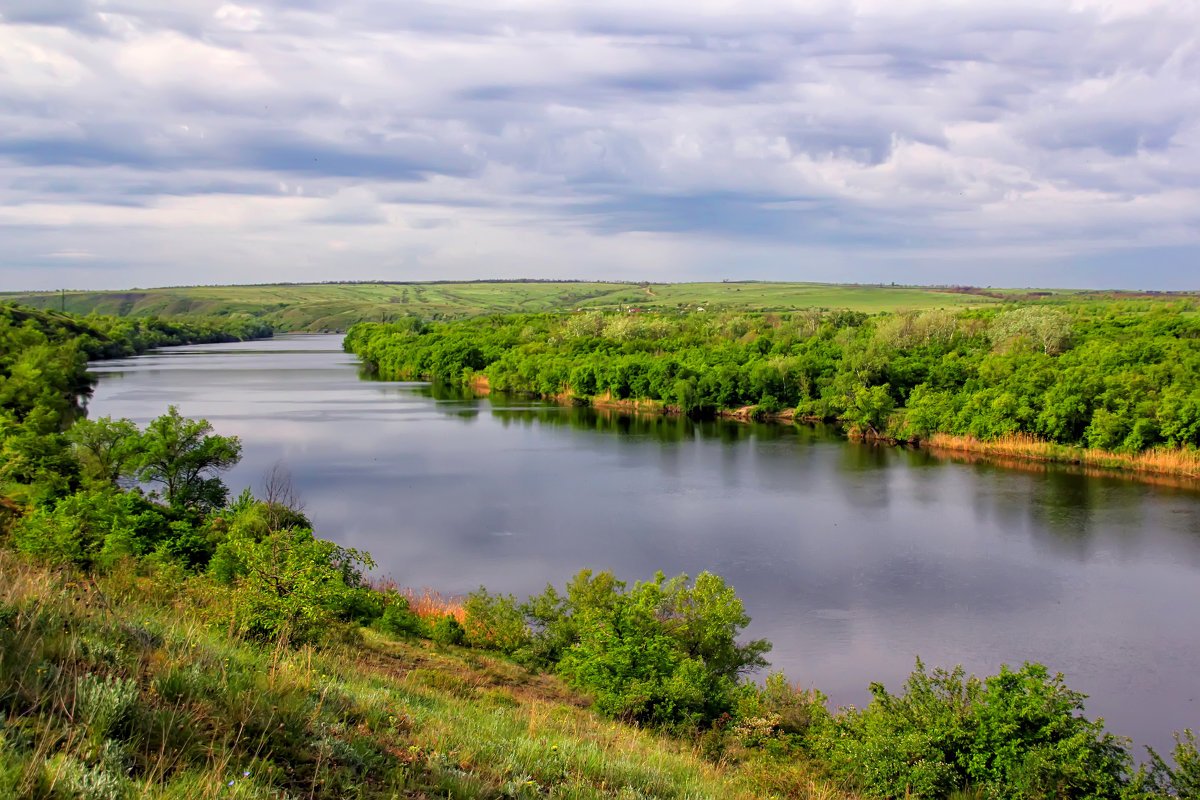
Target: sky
(1011, 143)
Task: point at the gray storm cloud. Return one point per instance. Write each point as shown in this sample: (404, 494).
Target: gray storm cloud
(1055, 143)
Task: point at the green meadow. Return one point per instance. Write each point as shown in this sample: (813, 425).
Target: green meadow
(337, 306)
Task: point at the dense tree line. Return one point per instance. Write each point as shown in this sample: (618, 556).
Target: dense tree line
(43, 379)
(99, 496)
(1119, 377)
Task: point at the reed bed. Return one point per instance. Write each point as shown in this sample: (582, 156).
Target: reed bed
(1160, 461)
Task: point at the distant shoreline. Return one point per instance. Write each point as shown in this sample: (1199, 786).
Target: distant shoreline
(1182, 467)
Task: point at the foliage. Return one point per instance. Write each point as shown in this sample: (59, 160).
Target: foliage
(1183, 779)
(178, 454)
(495, 622)
(398, 618)
(1018, 733)
(1121, 377)
(446, 630)
(43, 378)
(92, 528)
(294, 586)
(791, 711)
(664, 652)
(108, 449)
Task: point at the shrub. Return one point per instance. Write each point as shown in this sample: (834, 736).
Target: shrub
(399, 619)
(92, 528)
(293, 585)
(792, 710)
(1016, 734)
(664, 653)
(104, 704)
(495, 622)
(447, 631)
(1182, 781)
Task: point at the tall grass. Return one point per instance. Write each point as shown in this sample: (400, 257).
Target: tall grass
(1161, 461)
(428, 604)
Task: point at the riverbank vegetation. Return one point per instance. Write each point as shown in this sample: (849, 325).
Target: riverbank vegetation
(1105, 384)
(159, 639)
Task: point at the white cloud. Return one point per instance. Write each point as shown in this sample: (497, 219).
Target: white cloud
(239, 18)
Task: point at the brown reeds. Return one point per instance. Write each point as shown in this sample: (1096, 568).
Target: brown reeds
(428, 604)
(1180, 462)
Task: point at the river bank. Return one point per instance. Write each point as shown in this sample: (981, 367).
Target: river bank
(1013, 450)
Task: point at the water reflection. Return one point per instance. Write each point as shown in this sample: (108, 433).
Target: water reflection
(852, 558)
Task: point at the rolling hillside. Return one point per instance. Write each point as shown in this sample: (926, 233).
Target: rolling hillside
(313, 307)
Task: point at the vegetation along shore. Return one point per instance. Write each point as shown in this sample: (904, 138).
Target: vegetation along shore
(159, 638)
(1102, 384)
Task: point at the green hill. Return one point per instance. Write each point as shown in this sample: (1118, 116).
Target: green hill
(337, 306)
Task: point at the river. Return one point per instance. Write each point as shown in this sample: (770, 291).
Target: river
(853, 559)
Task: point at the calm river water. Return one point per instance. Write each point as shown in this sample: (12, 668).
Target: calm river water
(852, 559)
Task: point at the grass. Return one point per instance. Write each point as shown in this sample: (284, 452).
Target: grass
(125, 688)
(1157, 461)
(337, 306)
(313, 307)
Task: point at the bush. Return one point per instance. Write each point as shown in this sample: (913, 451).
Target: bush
(293, 585)
(399, 619)
(1182, 781)
(92, 528)
(663, 653)
(104, 705)
(1016, 734)
(495, 622)
(447, 631)
(793, 711)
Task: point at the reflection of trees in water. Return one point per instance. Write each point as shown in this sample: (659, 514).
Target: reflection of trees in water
(1061, 507)
(1068, 509)
(1065, 511)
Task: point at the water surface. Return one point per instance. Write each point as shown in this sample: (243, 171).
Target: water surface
(852, 559)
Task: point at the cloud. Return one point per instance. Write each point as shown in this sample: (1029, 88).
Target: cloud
(908, 141)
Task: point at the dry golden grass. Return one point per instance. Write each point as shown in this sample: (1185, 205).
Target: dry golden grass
(1158, 461)
(431, 604)
(428, 604)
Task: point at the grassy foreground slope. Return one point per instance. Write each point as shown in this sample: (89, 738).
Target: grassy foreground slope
(333, 306)
(117, 686)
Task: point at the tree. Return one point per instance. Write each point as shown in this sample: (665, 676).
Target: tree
(1048, 328)
(664, 652)
(869, 409)
(108, 448)
(293, 586)
(1184, 780)
(179, 454)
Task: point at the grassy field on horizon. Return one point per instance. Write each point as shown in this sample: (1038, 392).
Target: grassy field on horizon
(336, 306)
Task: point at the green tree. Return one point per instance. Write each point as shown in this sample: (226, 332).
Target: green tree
(108, 449)
(1182, 780)
(869, 409)
(179, 454)
(664, 652)
(293, 586)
